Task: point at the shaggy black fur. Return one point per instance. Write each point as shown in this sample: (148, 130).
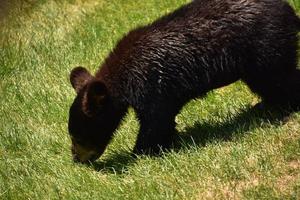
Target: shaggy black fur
(203, 45)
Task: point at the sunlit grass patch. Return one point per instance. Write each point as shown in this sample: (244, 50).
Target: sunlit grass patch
(227, 147)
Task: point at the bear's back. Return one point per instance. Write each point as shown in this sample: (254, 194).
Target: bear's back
(201, 46)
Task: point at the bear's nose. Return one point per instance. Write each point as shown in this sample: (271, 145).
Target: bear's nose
(77, 159)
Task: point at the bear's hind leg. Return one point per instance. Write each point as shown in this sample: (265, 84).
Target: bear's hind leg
(271, 70)
(277, 88)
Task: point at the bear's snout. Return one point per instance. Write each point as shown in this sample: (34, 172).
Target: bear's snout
(78, 159)
(83, 155)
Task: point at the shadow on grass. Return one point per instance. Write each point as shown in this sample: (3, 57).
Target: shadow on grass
(17, 7)
(5, 7)
(203, 133)
(115, 163)
(258, 116)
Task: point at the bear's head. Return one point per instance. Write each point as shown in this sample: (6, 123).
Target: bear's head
(92, 119)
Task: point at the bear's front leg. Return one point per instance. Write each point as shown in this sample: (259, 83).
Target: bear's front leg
(155, 135)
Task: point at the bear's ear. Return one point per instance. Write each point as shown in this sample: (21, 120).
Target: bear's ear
(79, 76)
(95, 97)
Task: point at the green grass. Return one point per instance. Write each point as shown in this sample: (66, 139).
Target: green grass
(229, 150)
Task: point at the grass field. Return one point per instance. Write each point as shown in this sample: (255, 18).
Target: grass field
(229, 148)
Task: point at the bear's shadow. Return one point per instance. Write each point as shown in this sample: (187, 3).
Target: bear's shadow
(259, 115)
(202, 133)
(114, 163)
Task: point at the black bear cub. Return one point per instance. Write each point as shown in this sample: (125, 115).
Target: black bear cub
(157, 68)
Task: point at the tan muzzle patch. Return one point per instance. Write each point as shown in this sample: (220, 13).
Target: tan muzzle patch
(83, 154)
